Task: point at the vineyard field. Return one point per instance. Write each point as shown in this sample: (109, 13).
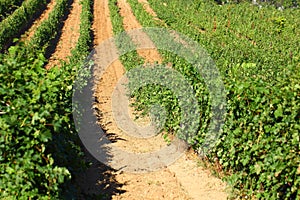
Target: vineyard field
(253, 45)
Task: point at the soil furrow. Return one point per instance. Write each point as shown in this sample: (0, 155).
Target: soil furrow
(155, 185)
(105, 87)
(30, 32)
(147, 8)
(69, 36)
(102, 27)
(130, 22)
(182, 180)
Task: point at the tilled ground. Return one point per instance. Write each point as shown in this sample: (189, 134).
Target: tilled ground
(30, 32)
(69, 36)
(182, 180)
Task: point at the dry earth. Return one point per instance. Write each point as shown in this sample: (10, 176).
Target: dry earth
(182, 180)
(30, 32)
(69, 36)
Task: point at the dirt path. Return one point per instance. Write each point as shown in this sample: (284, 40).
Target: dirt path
(148, 9)
(182, 180)
(130, 23)
(69, 36)
(103, 30)
(37, 22)
(157, 185)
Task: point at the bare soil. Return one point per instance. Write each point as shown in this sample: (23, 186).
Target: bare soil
(147, 8)
(130, 22)
(69, 36)
(184, 179)
(30, 32)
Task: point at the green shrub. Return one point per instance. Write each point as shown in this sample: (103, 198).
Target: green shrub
(33, 108)
(8, 7)
(14, 24)
(256, 51)
(40, 149)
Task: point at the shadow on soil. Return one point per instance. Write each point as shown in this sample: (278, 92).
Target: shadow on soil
(97, 181)
(91, 180)
(23, 28)
(54, 42)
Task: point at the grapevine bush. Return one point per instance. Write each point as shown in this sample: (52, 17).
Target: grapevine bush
(7, 7)
(40, 150)
(259, 147)
(14, 24)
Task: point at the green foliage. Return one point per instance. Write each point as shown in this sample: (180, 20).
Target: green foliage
(116, 19)
(49, 28)
(280, 23)
(85, 40)
(39, 148)
(14, 24)
(33, 108)
(262, 135)
(131, 59)
(276, 3)
(8, 7)
(257, 53)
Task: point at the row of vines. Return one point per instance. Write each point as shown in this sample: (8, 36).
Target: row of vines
(8, 7)
(16, 23)
(256, 50)
(277, 3)
(39, 148)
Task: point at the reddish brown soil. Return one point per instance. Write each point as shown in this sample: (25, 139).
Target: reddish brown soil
(182, 180)
(29, 33)
(130, 23)
(69, 36)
